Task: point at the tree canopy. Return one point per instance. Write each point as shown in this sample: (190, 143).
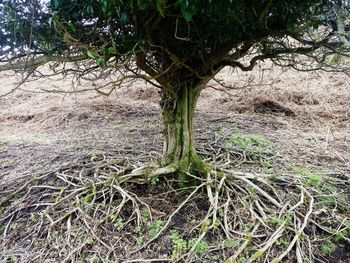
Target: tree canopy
(180, 37)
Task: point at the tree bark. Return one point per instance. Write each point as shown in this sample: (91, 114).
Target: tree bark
(179, 143)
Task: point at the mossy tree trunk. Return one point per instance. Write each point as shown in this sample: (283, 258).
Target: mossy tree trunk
(179, 141)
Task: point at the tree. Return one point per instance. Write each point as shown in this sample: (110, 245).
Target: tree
(178, 46)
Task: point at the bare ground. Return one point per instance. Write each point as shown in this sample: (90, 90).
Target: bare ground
(306, 116)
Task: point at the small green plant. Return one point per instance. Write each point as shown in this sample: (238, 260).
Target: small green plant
(248, 225)
(119, 224)
(342, 234)
(109, 115)
(93, 157)
(137, 230)
(15, 226)
(242, 260)
(254, 147)
(201, 248)
(266, 164)
(34, 217)
(90, 241)
(216, 224)
(282, 242)
(179, 245)
(276, 221)
(8, 162)
(145, 213)
(107, 260)
(286, 219)
(156, 227)
(310, 178)
(34, 182)
(14, 259)
(140, 240)
(309, 137)
(2, 149)
(231, 243)
(248, 142)
(95, 259)
(327, 201)
(329, 189)
(333, 59)
(154, 181)
(314, 180)
(327, 247)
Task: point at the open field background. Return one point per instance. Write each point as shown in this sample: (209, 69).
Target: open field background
(305, 115)
(318, 132)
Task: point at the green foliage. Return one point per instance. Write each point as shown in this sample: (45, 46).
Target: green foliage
(14, 259)
(201, 248)
(276, 221)
(248, 142)
(34, 217)
(145, 214)
(253, 147)
(266, 164)
(191, 31)
(154, 181)
(181, 246)
(310, 178)
(231, 243)
(334, 59)
(119, 224)
(287, 219)
(90, 241)
(137, 230)
(327, 247)
(257, 254)
(337, 239)
(140, 240)
(248, 226)
(340, 236)
(239, 260)
(95, 259)
(329, 196)
(156, 227)
(34, 182)
(282, 242)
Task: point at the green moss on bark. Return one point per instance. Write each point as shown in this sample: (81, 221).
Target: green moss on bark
(179, 142)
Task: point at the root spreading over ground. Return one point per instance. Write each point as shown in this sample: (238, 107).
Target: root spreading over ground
(103, 209)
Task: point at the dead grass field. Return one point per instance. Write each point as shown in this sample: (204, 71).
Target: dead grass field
(42, 132)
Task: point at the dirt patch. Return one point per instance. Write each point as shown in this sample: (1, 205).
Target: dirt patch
(269, 106)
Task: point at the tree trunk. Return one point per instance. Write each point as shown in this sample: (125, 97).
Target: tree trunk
(179, 143)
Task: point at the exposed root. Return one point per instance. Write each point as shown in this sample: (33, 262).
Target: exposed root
(76, 208)
(290, 217)
(152, 170)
